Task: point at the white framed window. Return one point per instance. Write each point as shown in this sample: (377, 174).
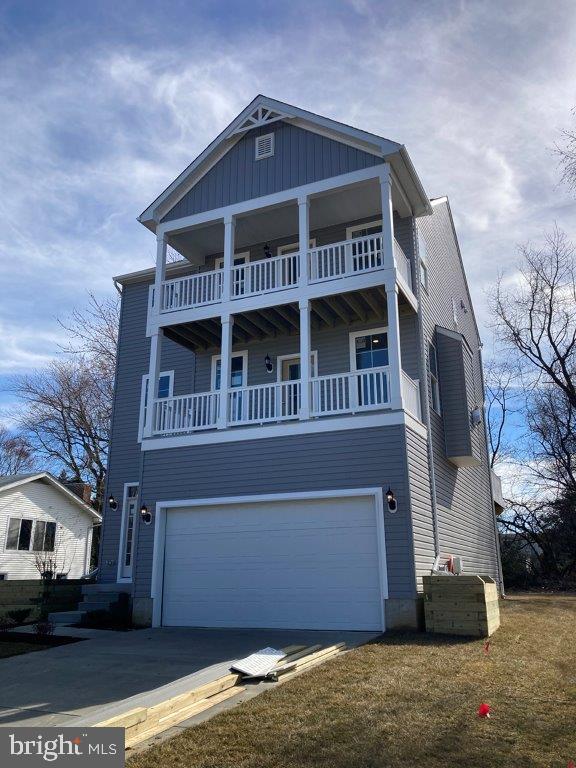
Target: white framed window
(294, 247)
(165, 389)
(29, 535)
(433, 377)
(264, 146)
(237, 261)
(363, 230)
(288, 366)
(369, 349)
(238, 370)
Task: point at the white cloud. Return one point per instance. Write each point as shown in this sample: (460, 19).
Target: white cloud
(92, 134)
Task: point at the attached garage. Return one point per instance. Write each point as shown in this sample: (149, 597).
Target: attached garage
(303, 562)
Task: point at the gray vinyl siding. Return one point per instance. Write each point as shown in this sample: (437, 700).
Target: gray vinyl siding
(366, 458)
(420, 504)
(454, 394)
(300, 157)
(124, 464)
(465, 512)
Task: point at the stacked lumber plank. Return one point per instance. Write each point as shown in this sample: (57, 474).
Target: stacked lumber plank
(142, 723)
(461, 605)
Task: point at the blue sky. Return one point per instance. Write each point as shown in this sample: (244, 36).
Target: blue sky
(102, 104)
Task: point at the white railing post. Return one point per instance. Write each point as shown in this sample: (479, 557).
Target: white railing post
(394, 355)
(305, 355)
(388, 256)
(228, 261)
(225, 366)
(153, 378)
(303, 238)
(160, 275)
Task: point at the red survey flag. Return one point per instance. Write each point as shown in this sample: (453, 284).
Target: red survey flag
(484, 710)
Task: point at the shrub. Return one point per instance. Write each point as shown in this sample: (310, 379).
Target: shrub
(44, 627)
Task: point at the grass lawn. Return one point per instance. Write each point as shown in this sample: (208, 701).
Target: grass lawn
(17, 648)
(410, 700)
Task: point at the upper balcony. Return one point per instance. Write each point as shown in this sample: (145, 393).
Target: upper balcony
(335, 261)
(316, 242)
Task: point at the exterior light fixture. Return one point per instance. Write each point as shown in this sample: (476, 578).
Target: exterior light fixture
(268, 364)
(145, 515)
(112, 503)
(392, 505)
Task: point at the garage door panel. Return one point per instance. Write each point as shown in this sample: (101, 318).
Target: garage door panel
(310, 564)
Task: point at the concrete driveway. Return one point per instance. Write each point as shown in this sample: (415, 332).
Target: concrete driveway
(81, 681)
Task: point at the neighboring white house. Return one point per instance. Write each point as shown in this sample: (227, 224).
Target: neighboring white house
(43, 522)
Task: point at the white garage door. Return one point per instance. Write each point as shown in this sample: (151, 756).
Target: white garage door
(305, 564)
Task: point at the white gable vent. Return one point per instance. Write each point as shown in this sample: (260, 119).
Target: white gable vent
(264, 146)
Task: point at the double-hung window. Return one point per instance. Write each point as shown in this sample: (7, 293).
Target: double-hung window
(26, 535)
(165, 389)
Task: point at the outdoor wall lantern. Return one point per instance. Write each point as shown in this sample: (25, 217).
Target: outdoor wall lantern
(268, 364)
(145, 515)
(112, 503)
(392, 505)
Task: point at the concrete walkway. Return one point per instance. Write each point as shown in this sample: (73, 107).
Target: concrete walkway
(58, 686)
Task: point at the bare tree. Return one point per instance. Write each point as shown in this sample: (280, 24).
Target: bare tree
(502, 397)
(16, 453)
(536, 321)
(67, 410)
(567, 153)
(50, 564)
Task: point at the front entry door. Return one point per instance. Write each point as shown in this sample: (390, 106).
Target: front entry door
(289, 370)
(129, 511)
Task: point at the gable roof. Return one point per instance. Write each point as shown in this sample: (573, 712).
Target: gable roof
(263, 111)
(8, 482)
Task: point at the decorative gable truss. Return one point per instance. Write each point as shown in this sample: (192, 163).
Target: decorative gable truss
(260, 116)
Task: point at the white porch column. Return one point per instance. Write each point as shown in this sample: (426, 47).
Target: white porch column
(225, 366)
(303, 238)
(160, 272)
(305, 354)
(394, 356)
(153, 378)
(387, 219)
(228, 261)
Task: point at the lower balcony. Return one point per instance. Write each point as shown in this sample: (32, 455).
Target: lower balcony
(332, 395)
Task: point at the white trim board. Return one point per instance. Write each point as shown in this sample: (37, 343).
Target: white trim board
(286, 429)
(119, 578)
(156, 591)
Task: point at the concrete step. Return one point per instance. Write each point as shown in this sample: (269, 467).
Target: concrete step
(92, 604)
(66, 617)
(98, 589)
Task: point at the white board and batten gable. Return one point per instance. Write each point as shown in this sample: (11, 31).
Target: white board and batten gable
(61, 526)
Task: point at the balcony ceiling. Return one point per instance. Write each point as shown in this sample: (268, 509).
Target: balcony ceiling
(338, 206)
(329, 312)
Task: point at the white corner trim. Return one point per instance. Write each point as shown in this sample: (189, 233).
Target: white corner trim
(162, 507)
(286, 429)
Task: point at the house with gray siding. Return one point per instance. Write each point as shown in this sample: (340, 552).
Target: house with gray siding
(298, 432)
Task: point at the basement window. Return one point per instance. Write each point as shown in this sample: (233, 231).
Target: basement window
(264, 146)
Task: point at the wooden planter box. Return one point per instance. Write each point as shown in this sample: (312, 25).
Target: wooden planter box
(461, 605)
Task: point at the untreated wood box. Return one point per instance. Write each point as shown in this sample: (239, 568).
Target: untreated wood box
(461, 605)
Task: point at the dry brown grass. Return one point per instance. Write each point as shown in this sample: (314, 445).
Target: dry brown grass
(410, 700)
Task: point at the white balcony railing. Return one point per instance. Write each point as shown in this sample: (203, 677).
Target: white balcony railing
(338, 393)
(264, 402)
(328, 262)
(344, 259)
(186, 413)
(411, 395)
(192, 291)
(350, 392)
(403, 264)
(264, 276)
